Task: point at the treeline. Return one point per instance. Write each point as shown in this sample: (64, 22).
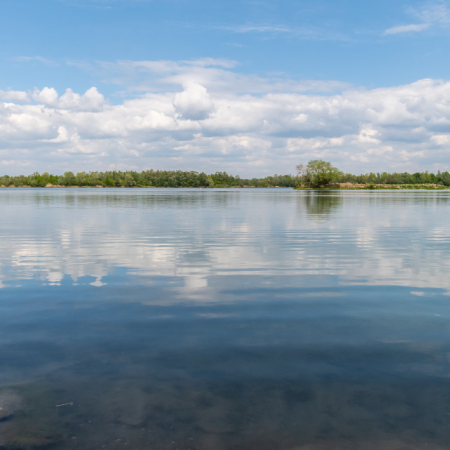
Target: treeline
(319, 173)
(442, 178)
(156, 178)
(178, 178)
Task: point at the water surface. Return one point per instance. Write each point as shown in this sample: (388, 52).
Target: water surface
(225, 319)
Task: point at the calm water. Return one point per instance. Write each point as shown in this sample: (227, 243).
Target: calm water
(224, 319)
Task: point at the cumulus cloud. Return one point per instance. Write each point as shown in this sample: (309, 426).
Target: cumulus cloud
(91, 100)
(47, 96)
(194, 103)
(14, 96)
(209, 127)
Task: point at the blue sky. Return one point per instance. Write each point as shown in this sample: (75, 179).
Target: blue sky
(140, 54)
(326, 40)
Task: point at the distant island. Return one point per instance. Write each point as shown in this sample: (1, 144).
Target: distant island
(316, 174)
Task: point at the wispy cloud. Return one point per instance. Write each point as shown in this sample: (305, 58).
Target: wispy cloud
(431, 14)
(40, 59)
(304, 32)
(101, 4)
(257, 29)
(407, 28)
(214, 74)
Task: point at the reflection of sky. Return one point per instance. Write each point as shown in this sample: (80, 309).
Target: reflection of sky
(232, 315)
(387, 238)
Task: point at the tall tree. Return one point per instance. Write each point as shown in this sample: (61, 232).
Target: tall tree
(322, 173)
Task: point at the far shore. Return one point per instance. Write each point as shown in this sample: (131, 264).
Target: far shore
(56, 186)
(336, 186)
(372, 186)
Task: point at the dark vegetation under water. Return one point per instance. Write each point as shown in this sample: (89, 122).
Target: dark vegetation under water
(315, 174)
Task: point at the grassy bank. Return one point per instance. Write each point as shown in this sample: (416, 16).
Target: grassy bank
(354, 186)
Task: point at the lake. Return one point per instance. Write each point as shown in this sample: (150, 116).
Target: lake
(201, 319)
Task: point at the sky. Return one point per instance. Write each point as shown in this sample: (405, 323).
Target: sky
(248, 87)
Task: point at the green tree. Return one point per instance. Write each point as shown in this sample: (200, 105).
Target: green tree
(81, 177)
(322, 173)
(129, 180)
(69, 179)
(109, 182)
(445, 178)
(304, 174)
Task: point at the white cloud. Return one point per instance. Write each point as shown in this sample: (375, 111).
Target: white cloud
(202, 121)
(213, 74)
(194, 103)
(407, 28)
(63, 136)
(14, 96)
(305, 31)
(91, 100)
(15, 163)
(46, 61)
(47, 96)
(441, 139)
(258, 29)
(431, 14)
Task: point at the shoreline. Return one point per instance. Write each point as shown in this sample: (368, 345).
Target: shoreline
(376, 188)
(145, 187)
(328, 188)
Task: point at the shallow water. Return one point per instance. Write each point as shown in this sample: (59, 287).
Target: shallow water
(225, 319)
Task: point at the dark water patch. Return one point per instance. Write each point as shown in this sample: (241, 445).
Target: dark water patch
(158, 413)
